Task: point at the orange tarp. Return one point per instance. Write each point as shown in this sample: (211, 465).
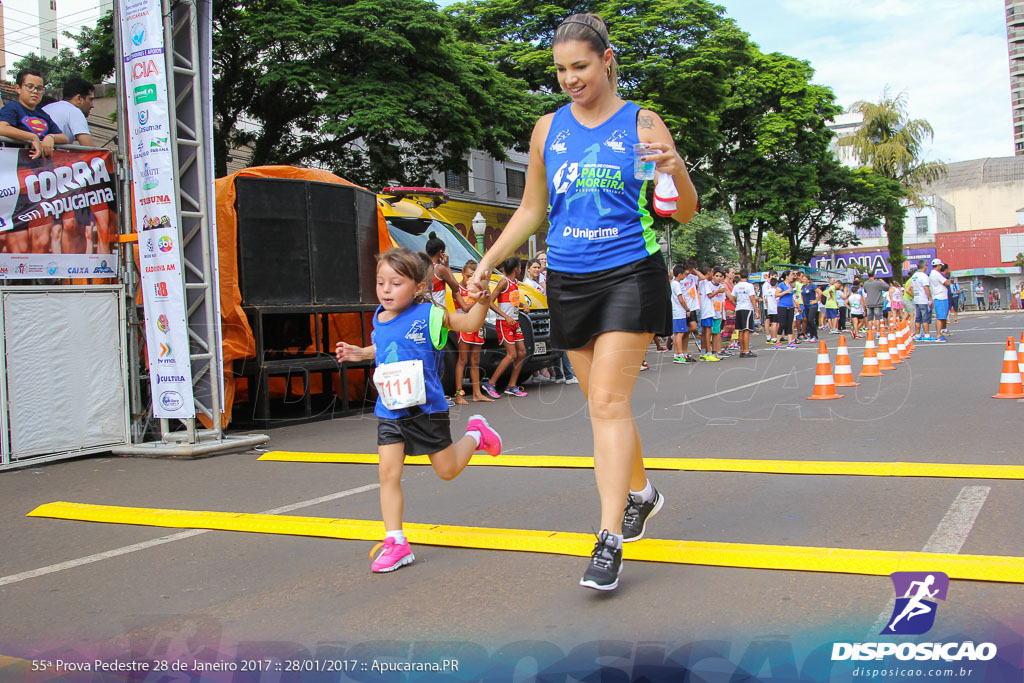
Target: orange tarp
(237, 335)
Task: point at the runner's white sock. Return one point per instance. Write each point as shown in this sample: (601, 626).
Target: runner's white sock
(616, 539)
(399, 536)
(477, 436)
(644, 495)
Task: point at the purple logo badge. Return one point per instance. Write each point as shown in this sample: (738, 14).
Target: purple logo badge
(914, 612)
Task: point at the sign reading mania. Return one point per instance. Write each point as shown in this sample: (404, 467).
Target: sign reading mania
(877, 261)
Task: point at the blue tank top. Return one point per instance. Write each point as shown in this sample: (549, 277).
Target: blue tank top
(598, 216)
(416, 333)
(786, 300)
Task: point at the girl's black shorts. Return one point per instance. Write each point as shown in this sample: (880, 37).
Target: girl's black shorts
(423, 433)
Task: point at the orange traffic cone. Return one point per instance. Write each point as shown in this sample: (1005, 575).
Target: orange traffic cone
(894, 354)
(1020, 354)
(824, 382)
(844, 373)
(884, 359)
(908, 338)
(1010, 381)
(870, 368)
(901, 343)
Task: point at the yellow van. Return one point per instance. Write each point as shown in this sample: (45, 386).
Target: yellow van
(411, 215)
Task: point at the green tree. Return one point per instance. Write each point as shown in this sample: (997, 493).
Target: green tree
(891, 144)
(92, 59)
(378, 91)
(705, 238)
(774, 248)
(55, 70)
(768, 174)
(846, 198)
(675, 56)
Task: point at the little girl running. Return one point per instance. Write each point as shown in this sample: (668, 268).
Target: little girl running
(409, 333)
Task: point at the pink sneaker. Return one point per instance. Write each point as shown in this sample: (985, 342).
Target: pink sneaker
(394, 555)
(489, 439)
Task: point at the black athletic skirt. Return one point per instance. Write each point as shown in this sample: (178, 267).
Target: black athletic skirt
(635, 297)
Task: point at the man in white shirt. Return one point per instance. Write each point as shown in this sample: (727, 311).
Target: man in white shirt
(938, 282)
(922, 303)
(70, 112)
(75, 233)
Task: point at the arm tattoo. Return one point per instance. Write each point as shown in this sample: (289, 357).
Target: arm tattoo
(645, 121)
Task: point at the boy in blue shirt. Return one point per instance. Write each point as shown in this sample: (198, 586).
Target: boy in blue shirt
(21, 120)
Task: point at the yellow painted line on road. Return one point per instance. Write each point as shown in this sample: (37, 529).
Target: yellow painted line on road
(830, 467)
(751, 556)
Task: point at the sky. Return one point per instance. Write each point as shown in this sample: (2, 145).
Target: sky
(949, 56)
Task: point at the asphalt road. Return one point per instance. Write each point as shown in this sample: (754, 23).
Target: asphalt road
(81, 590)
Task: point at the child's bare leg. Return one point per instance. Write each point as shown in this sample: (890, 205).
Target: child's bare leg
(392, 501)
(460, 373)
(450, 462)
(474, 375)
(520, 351)
(510, 356)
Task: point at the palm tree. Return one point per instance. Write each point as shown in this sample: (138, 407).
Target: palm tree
(891, 144)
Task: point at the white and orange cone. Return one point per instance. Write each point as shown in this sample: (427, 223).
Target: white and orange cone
(844, 373)
(884, 359)
(901, 343)
(894, 354)
(1010, 385)
(908, 339)
(824, 382)
(870, 367)
(1020, 354)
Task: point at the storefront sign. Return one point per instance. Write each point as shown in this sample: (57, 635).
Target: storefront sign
(877, 261)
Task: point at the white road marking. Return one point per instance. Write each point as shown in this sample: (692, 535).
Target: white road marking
(89, 559)
(729, 391)
(947, 539)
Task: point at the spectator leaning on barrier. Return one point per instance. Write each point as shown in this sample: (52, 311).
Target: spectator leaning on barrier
(21, 120)
(69, 113)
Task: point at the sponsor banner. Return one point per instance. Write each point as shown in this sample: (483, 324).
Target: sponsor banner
(31, 266)
(877, 261)
(166, 324)
(64, 206)
(155, 208)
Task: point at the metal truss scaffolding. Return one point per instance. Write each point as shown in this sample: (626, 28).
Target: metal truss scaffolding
(190, 91)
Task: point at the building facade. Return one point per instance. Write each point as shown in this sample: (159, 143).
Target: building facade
(1015, 47)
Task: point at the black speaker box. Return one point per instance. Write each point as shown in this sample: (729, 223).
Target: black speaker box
(303, 243)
